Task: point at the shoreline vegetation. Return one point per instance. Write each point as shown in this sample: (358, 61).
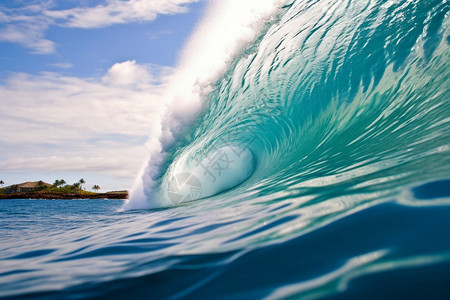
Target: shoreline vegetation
(58, 190)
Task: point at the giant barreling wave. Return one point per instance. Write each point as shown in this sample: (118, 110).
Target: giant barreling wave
(279, 98)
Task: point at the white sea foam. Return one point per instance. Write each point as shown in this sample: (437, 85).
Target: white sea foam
(227, 28)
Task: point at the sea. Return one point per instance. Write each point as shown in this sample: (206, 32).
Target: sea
(318, 168)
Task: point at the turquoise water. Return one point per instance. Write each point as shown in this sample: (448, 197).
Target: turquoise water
(319, 168)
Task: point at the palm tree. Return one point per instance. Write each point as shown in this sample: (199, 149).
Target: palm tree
(40, 186)
(1, 183)
(82, 181)
(62, 182)
(56, 183)
(96, 187)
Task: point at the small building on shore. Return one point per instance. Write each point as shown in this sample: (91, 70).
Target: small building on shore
(26, 187)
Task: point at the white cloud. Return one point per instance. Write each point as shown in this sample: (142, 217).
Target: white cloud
(118, 12)
(28, 34)
(122, 163)
(126, 74)
(56, 123)
(27, 25)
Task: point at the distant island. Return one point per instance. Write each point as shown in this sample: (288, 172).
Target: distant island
(58, 190)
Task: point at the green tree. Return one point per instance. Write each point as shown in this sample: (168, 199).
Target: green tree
(15, 188)
(81, 181)
(40, 186)
(56, 183)
(96, 187)
(62, 182)
(1, 183)
(76, 186)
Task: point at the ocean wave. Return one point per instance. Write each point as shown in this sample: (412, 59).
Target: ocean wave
(328, 90)
(309, 159)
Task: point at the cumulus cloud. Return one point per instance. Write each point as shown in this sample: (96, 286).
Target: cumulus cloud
(27, 25)
(126, 74)
(50, 122)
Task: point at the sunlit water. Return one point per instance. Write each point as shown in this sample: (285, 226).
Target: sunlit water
(342, 111)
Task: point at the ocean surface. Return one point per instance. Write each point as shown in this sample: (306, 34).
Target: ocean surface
(319, 168)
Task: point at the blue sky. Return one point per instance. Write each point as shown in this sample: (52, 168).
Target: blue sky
(80, 82)
(87, 51)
